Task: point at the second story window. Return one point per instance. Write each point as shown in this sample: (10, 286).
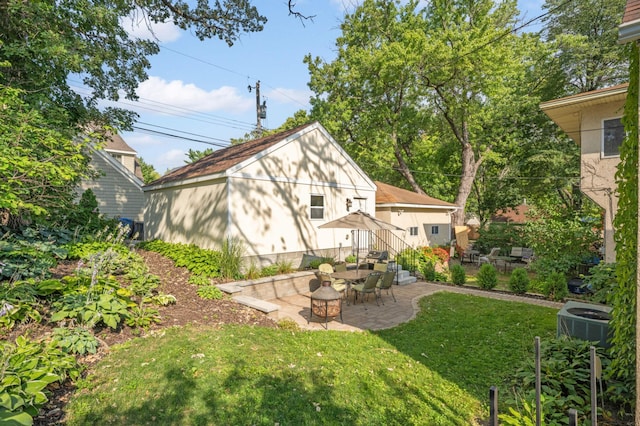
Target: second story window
(612, 136)
(317, 207)
(413, 231)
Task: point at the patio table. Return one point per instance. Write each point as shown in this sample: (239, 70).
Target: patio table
(351, 276)
(507, 260)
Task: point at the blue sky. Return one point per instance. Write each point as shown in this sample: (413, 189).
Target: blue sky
(198, 90)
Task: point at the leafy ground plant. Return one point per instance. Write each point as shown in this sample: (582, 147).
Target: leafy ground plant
(487, 276)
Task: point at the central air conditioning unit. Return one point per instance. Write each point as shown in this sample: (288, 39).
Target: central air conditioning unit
(585, 321)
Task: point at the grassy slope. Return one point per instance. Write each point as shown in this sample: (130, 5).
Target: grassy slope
(434, 370)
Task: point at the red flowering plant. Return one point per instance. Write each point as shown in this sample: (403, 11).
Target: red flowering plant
(433, 263)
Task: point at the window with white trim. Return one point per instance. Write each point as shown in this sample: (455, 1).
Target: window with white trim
(360, 203)
(435, 229)
(612, 136)
(413, 231)
(317, 207)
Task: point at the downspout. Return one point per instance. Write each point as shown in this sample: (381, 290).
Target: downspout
(227, 231)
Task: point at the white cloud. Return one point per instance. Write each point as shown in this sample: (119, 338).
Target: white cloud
(290, 96)
(139, 26)
(176, 95)
(169, 160)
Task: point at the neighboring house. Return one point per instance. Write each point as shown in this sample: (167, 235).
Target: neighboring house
(515, 215)
(593, 121)
(427, 220)
(270, 194)
(118, 188)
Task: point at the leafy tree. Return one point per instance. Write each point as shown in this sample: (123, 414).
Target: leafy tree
(410, 82)
(40, 162)
(149, 173)
(585, 34)
(624, 295)
(194, 155)
(43, 46)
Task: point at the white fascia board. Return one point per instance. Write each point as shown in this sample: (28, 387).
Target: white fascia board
(185, 182)
(418, 206)
(119, 167)
(234, 170)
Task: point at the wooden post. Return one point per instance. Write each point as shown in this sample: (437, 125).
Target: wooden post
(594, 389)
(493, 406)
(538, 383)
(573, 417)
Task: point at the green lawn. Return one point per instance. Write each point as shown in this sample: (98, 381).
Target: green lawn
(434, 370)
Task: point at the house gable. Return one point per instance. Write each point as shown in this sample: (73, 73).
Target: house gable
(117, 190)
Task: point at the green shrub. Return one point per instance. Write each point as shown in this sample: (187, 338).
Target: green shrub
(504, 235)
(565, 382)
(231, 258)
(27, 369)
(252, 272)
(458, 275)
(142, 317)
(601, 280)
(196, 260)
(210, 292)
(519, 281)
(487, 276)
(555, 286)
(284, 266)
(428, 270)
(76, 340)
(269, 271)
(199, 280)
(351, 258)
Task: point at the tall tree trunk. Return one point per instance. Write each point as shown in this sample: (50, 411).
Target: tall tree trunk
(403, 169)
(469, 169)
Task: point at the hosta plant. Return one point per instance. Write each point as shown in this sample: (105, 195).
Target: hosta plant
(27, 369)
(210, 292)
(76, 340)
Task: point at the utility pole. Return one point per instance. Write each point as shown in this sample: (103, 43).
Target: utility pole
(261, 110)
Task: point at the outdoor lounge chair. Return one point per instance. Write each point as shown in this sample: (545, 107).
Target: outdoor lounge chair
(382, 267)
(489, 258)
(386, 283)
(367, 287)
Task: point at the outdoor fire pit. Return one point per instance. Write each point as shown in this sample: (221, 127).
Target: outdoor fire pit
(326, 302)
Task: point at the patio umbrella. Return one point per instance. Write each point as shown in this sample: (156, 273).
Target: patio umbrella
(360, 220)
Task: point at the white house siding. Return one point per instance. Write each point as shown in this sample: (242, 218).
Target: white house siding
(118, 191)
(421, 218)
(270, 197)
(194, 213)
(597, 174)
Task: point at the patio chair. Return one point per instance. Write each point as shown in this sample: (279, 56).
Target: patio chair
(382, 267)
(339, 285)
(489, 258)
(386, 283)
(326, 268)
(341, 267)
(367, 287)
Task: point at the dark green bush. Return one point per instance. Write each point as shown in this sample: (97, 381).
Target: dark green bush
(519, 281)
(555, 286)
(487, 276)
(601, 280)
(565, 382)
(503, 235)
(458, 275)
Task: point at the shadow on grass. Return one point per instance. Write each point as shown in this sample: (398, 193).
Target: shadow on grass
(275, 378)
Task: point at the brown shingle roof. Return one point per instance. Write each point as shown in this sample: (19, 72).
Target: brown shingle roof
(222, 159)
(631, 11)
(116, 143)
(389, 194)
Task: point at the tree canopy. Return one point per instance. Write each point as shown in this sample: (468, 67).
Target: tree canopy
(45, 46)
(448, 80)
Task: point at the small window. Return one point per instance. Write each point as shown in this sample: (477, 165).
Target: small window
(435, 230)
(413, 231)
(612, 136)
(317, 207)
(360, 203)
